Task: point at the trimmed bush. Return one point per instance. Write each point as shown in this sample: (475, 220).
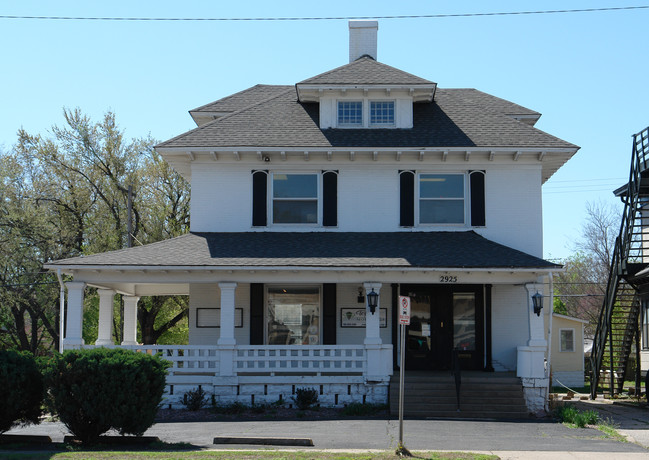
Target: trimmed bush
(22, 387)
(195, 399)
(305, 398)
(97, 389)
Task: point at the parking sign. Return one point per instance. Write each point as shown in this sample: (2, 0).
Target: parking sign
(404, 310)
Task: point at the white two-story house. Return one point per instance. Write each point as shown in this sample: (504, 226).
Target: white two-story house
(309, 199)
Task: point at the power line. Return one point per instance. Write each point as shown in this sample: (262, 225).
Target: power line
(328, 18)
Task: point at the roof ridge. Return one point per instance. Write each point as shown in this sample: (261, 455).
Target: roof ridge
(225, 117)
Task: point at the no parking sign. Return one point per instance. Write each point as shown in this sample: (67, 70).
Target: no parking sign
(404, 310)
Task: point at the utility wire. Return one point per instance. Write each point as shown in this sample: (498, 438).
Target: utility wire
(330, 18)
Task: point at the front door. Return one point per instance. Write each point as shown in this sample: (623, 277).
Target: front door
(443, 319)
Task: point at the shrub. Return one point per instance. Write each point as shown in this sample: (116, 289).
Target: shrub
(97, 389)
(195, 399)
(305, 397)
(22, 388)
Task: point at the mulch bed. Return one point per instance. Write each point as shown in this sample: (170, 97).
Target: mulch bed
(274, 413)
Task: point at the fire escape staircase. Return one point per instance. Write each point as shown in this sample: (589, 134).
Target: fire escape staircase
(618, 319)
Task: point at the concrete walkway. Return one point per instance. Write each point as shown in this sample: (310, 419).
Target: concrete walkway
(529, 439)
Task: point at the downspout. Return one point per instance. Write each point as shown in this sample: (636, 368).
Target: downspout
(61, 309)
(549, 359)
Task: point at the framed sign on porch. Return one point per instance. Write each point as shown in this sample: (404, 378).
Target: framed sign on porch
(211, 317)
(355, 317)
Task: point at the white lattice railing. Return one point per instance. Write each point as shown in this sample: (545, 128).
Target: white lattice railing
(345, 359)
(188, 358)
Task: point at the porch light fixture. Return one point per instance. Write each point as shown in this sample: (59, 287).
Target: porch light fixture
(537, 301)
(372, 300)
(361, 297)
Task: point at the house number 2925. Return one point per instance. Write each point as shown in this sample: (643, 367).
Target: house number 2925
(447, 279)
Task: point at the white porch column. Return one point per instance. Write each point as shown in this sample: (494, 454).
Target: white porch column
(375, 364)
(105, 330)
(130, 320)
(227, 342)
(74, 321)
(530, 363)
(226, 336)
(372, 322)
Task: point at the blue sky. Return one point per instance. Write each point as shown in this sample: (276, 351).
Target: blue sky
(587, 73)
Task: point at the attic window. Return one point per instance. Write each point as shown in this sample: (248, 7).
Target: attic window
(350, 113)
(382, 113)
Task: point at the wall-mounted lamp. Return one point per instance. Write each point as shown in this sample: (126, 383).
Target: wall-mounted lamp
(537, 301)
(372, 300)
(361, 297)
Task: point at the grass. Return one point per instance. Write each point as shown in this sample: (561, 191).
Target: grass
(249, 455)
(575, 418)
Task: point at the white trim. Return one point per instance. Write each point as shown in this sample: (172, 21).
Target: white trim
(572, 318)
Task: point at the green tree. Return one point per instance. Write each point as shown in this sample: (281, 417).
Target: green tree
(66, 195)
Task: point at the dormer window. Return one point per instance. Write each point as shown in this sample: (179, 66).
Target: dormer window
(350, 113)
(382, 113)
(366, 113)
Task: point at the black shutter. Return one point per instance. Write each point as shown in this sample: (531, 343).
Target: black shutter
(477, 198)
(407, 198)
(330, 199)
(259, 198)
(329, 314)
(256, 314)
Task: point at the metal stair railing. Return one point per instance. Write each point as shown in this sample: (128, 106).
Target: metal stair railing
(629, 246)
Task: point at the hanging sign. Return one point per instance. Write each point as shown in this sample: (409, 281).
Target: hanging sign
(404, 310)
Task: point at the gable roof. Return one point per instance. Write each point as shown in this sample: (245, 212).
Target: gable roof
(366, 71)
(243, 99)
(318, 249)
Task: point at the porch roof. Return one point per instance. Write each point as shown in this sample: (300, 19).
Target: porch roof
(462, 249)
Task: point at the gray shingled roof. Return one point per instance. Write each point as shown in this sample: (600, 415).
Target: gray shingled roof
(243, 99)
(457, 118)
(319, 249)
(366, 71)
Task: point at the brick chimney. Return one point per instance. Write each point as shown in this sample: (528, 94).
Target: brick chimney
(362, 39)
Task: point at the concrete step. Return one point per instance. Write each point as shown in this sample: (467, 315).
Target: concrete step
(482, 396)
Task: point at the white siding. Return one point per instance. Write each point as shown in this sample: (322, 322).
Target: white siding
(368, 196)
(509, 323)
(209, 296)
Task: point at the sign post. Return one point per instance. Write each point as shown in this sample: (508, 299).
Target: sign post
(404, 320)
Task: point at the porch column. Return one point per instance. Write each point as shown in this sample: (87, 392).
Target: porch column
(105, 330)
(226, 341)
(530, 363)
(130, 320)
(226, 336)
(74, 321)
(372, 322)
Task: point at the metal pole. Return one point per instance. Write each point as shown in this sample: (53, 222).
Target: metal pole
(402, 372)
(129, 228)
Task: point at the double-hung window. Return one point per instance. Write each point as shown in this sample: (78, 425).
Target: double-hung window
(441, 199)
(295, 198)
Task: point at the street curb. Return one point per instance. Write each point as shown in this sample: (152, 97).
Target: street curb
(24, 438)
(268, 441)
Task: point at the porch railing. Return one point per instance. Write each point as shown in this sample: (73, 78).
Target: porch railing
(333, 359)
